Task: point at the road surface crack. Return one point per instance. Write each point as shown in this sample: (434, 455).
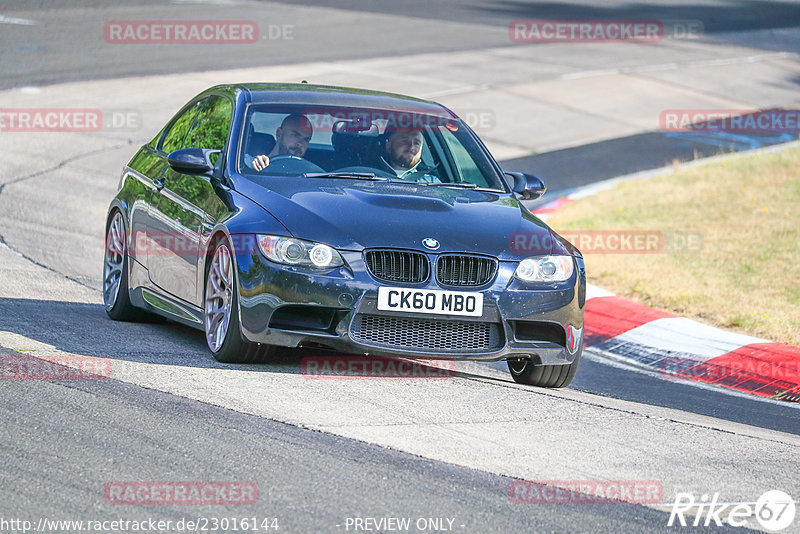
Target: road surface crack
(57, 166)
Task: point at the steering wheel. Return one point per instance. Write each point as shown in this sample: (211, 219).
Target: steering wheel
(283, 164)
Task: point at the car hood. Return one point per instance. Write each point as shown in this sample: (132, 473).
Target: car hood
(351, 215)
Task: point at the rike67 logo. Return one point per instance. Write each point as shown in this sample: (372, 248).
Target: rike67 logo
(774, 511)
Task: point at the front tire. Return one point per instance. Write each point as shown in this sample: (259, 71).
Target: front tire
(544, 376)
(221, 313)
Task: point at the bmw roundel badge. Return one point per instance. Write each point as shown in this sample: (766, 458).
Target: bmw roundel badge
(430, 243)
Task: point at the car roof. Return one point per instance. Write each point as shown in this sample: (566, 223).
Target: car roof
(330, 95)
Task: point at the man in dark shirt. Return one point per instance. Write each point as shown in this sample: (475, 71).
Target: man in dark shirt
(402, 155)
(291, 138)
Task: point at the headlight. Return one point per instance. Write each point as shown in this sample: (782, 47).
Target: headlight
(291, 251)
(545, 269)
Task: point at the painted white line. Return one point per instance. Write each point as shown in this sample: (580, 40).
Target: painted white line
(740, 60)
(211, 2)
(684, 337)
(457, 91)
(632, 70)
(591, 189)
(592, 291)
(663, 66)
(588, 74)
(619, 362)
(6, 247)
(675, 66)
(594, 188)
(13, 20)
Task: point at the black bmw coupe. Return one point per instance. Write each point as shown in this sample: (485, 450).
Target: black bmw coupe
(298, 215)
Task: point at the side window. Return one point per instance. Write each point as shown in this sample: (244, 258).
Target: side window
(466, 166)
(177, 133)
(211, 124)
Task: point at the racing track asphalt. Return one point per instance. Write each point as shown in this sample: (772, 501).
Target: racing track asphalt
(59, 48)
(66, 440)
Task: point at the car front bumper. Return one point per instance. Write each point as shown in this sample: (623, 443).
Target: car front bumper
(291, 307)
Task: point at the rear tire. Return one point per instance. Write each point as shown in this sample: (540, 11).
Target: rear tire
(221, 313)
(115, 274)
(543, 376)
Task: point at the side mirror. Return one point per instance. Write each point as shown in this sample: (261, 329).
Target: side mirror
(528, 186)
(192, 160)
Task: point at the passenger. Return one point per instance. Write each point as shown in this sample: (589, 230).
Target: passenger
(291, 138)
(402, 155)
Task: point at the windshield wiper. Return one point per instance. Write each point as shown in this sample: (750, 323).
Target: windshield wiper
(350, 175)
(401, 181)
(465, 185)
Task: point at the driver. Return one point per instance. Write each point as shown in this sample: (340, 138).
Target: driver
(402, 155)
(291, 138)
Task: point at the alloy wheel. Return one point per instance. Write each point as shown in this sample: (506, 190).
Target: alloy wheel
(219, 297)
(114, 261)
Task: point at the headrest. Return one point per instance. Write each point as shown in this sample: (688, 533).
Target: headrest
(259, 143)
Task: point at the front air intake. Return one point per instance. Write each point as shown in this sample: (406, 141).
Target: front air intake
(397, 266)
(465, 271)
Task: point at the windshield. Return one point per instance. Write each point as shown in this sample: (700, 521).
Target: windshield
(331, 142)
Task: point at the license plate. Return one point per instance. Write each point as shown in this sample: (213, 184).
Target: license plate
(430, 301)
